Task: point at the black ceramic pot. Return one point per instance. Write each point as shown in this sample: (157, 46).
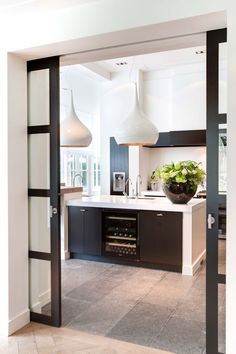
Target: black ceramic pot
(179, 193)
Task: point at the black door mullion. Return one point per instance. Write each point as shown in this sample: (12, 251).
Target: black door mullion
(213, 121)
(55, 191)
(212, 187)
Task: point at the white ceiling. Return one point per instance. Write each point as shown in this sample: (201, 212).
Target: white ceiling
(156, 61)
(169, 59)
(103, 70)
(19, 6)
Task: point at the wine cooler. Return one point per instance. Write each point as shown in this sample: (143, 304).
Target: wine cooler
(120, 235)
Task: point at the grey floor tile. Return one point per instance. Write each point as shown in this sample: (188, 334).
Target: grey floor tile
(72, 278)
(192, 305)
(101, 317)
(93, 290)
(200, 281)
(166, 295)
(181, 336)
(178, 280)
(72, 308)
(145, 306)
(141, 324)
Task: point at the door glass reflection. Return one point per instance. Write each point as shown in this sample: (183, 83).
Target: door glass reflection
(39, 224)
(223, 78)
(38, 97)
(40, 286)
(39, 161)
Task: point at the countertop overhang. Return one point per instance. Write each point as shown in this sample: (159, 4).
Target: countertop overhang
(120, 202)
(65, 189)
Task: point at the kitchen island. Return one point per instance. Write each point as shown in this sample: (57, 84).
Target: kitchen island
(67, 193)
(163, 235)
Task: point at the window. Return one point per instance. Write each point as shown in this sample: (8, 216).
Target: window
(96, 174)
(80, 169)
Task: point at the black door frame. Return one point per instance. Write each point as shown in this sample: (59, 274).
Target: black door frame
(53, 193)
(214, 118)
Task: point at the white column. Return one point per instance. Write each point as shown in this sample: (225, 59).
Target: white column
(4, 273)
(17, 193)
(231, 177)
(13, 188)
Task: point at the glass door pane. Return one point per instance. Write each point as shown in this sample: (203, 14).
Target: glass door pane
(40, 289)
(38, 97)
(39, 224)
(222, 78)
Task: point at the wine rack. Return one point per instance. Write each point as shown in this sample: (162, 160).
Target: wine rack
(120, 235)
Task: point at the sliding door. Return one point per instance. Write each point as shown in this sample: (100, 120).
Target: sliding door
(43, 191)
(216, 187)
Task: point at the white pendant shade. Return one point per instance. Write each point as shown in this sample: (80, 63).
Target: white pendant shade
(136, 129)
(73, 133)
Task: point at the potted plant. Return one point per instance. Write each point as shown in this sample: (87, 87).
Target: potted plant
(180, 180)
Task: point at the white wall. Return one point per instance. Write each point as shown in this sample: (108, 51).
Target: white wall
(101, 17)
(189, 97)
(175, 98)
(86, 95)
(84, 90)
(158, 98)
(161, 156)
(116, 101)
(4, 266)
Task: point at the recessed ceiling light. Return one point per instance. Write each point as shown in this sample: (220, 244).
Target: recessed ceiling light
(121, 63)
(199, 52)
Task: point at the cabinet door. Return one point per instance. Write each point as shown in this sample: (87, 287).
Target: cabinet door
(92, 232)
(76, 229)
(161, 238)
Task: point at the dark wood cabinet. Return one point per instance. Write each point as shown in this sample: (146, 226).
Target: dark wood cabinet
(188, 138)
(161, 239)
(119, 162)
(84, 230)
(181, 138)
(158, 236)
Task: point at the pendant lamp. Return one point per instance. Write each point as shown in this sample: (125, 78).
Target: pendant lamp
(73, 133)
(136, 129)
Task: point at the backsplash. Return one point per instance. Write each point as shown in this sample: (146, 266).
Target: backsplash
(161, 156)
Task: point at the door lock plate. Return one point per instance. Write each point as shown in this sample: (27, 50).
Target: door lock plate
(53, 211)
(210, 221)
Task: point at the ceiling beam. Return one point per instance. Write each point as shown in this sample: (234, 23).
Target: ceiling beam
(94, 71)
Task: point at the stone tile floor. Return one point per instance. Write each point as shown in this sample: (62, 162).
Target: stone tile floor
(41, 339)
(148, 307)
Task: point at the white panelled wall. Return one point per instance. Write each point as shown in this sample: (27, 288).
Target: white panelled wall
(173, 99)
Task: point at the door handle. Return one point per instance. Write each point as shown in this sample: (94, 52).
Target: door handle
(53, 211)
(83, 210)
(159, 214)
(210, 221)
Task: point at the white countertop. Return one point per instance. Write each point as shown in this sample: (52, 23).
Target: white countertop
(120, 202)
(153, 193)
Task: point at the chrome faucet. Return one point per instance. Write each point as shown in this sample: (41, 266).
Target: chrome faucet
(126, 184)
(77, 175)
(138, 183)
